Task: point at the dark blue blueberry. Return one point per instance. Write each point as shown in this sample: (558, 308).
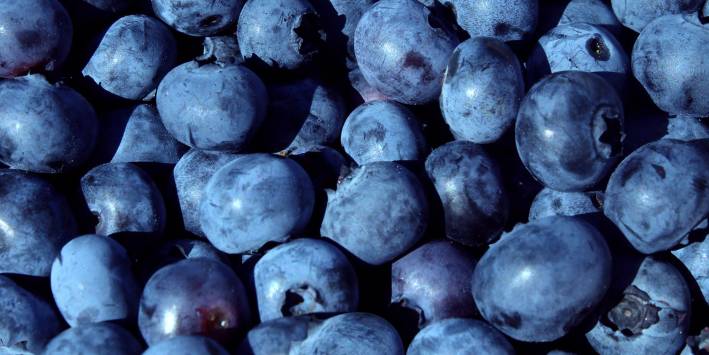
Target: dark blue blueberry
(305, 276)
(210, 106)
(193, 297)
(695, 257)
(383, 131)
(651, 317)
(550, 202)
(687, 128)
(659, 193)
(26, 322)
(36, 35)
(668, 60)
(561, 265)
(637, 14)
(198, 17)
(352, 333)
(186, 345)
(124, 198)
(94, 339)
(458, 336)
(365, 90)
(35, 222)
(469, 184)
(44, 128)
(402, 50)
(482, 89)
(378, 212)
(221, 50)
(569, 130)
(92, 281)
(505, 20)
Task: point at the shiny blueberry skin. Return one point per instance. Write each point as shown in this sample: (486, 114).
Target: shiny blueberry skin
(383, 131)
(459, 336)
(695, 257)
(505, 20)
(687, 128)
(550, 202)
(305, 276)
(651, 317)
(36, 35)
(636, 15)
(44, 128)
(254, 199)
(94, 339)
(482, 89)
(198, 17)
(353, 333)
(469, 185)
(35, 222)
(402, 50)
(668, 61)
(27, 323)
(124, 198)
(212, 107)
(569, 130)
(659, 193)
(193, 297)
(561, 264)
(378, 212)
(186, 345)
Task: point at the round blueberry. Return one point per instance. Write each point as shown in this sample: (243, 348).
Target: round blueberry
(459, 336)
(353, 333)
(550, 202)
(687, 128)
(96, 339)
(198, 17)
(186, 345)
(505, 20)
(695, 258)
(637, 14)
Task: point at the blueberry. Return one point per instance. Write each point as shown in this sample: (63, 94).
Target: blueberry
(469, 185)
(383, 131)
(124, 198)
(212, 107)
(222, 50)
(255, 199)
(549, 202)
(186, 345)
(459, 336)
(365, 90)
(35, 222)
(569, 130)
(668, 59)
(506, 20)
(279, 336)
(94, 339)
(198, 17)
(636, 15)
(44, 128)
(193, 297)
(36, 35)
(304, 276)
(482, 89)
(659, 193)
(561, 265)
(27, 323)
(340, 18)
(687, 128)
(378, 212)
(402, 50)
(594, 12)
(323, 164)
(173, 251)
(695, 257)
(353, 333)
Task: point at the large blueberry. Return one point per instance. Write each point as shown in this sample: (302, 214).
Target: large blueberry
(186, 345)
(695, 257)
(561, 265)
(383, 131)
(44, 128)
(378, 212)
(659, 193)
(687, 128)
(212, 107)
(459, 336)
(36, 34)
(402, 49)
(482, 89)
(637, 14)
(255, 199)
(198, 17)
(353, 333)
(550, 202)
(35, 222)
(469, 184)
(569, 130)
(94, 339)
(506, 20)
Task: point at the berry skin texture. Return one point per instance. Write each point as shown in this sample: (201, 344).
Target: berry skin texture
(505, 20)
(594, 12)
(94, 338)
(549, 202)
(695, 257)
(186, 345)
(636, 15)
(459, 336)
(353, 333)
(198, 17)
(687, 128)
(561, 264)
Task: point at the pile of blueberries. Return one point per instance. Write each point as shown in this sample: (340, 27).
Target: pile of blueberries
(297, 177)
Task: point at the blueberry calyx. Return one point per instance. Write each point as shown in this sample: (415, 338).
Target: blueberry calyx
(300, 300)
(634, 312)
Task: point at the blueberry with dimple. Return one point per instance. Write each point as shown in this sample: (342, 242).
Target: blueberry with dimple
(186, 345)
(254, 199)
(561, 265)
(402, 50)
(459, 336)
(482, 89)
(94, 339)
(352, 333)
(27, 323)
(193, 297)
(637, 14)
(35, 222)
(378, 212)
(506, 20)
(659, 193)
(124, 198)
(211, 106)
(668, 59)
(695, 257)
(651, 317)
(36, 34)
(282, 33)
(198, 17)
(469, 185)
(44, 128)
(687, 128)
(569, 130)
(550, 202)
(305, 276)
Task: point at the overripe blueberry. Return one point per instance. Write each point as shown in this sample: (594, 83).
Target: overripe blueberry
(636, 15)
(186, 345)
(94, 339)
(198, 17)
(505, 20)
(459, 336)
(550, 202)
